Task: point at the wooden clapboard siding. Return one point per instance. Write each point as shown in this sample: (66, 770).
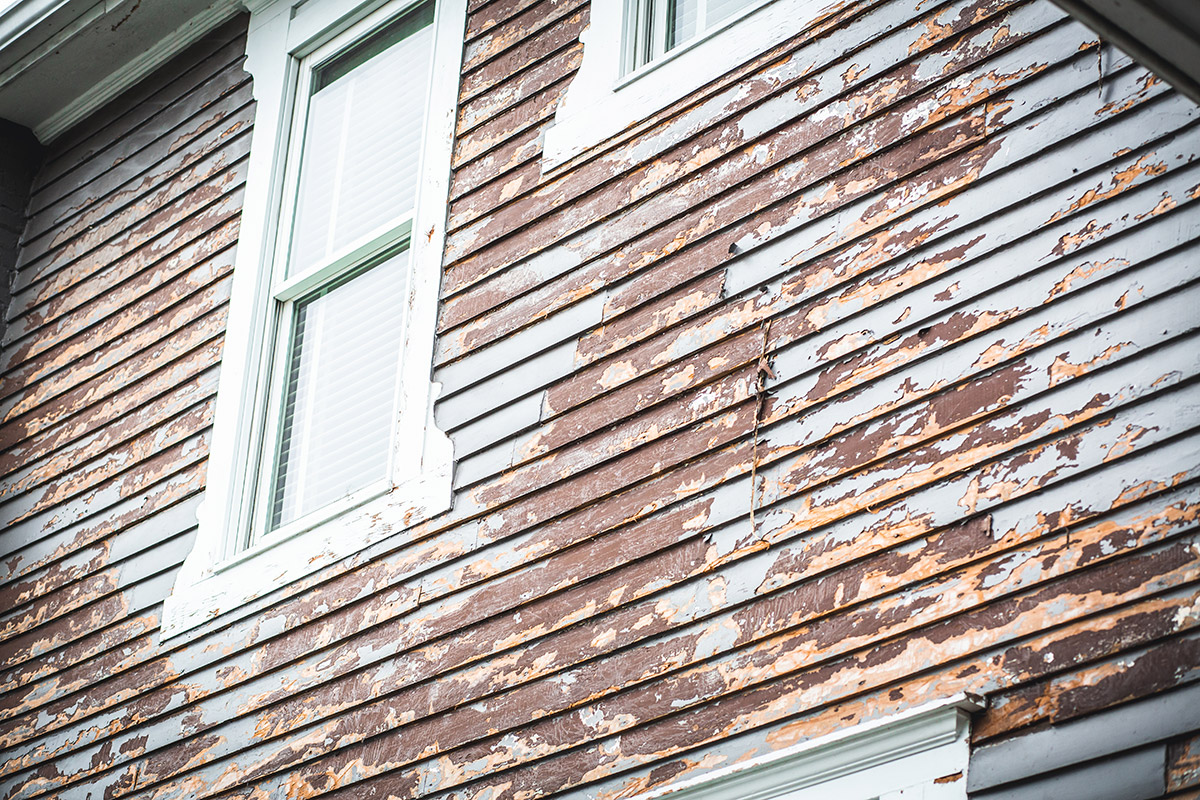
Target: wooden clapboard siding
(962, 236)
(110, 365)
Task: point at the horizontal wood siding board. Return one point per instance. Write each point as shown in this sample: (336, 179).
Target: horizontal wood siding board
(83, 251)
(115, 288)
(549, 776)
(159, 161)
(146, 346)
(1077, 692)
(1103, 528)
(631, 361)
(178, 126)
(723, 247)
(110, 369)
(583, 213)
(754, 112)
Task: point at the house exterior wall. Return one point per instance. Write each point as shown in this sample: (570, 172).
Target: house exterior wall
(863, 377)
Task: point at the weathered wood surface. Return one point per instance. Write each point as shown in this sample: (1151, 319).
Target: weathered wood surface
(962, 238)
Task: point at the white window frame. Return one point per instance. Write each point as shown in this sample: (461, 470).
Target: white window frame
(224, 569)
(919, 754)
(604, 98)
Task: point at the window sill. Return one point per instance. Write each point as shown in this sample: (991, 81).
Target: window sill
(211, 584)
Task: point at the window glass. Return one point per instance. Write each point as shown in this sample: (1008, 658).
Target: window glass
(362, 140)
(341, 299)
(340, 397)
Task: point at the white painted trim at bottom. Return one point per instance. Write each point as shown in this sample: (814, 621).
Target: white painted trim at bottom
(136, 68)
(893, 757)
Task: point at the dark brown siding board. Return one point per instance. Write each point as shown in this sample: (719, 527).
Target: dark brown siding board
(69, 598)
(532, 112)
(497, 164)
(47, 304)
(182, 395)
(601, 718)
(1097, 347)
(1024, 660)
(478, 111)
(523, 56)
(74, 414)
(113, 315)
(487, 14)
(28, 524)
(110, 370)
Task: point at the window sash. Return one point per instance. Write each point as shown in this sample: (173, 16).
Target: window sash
(650, 33)
(368, 249)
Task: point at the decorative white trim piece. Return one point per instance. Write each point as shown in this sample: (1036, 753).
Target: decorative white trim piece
(902, 756)
(216, 577)
(601, 103)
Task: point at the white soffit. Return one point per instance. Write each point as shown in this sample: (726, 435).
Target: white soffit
(60, 60)
(1164, 35)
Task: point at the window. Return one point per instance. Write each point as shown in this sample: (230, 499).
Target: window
(324, 443)
(340, 274)
(640, 56)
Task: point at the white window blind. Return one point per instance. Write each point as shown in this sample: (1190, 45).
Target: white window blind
(362, 141)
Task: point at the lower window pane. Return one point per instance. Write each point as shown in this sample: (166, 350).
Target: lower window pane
(340, 385)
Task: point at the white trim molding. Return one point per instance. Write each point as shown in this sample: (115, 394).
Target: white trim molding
(921, 753)
(221, 575)
(52, 35)
(602, 102)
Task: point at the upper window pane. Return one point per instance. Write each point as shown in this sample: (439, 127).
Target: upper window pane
(362, 138)
(659, 26)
